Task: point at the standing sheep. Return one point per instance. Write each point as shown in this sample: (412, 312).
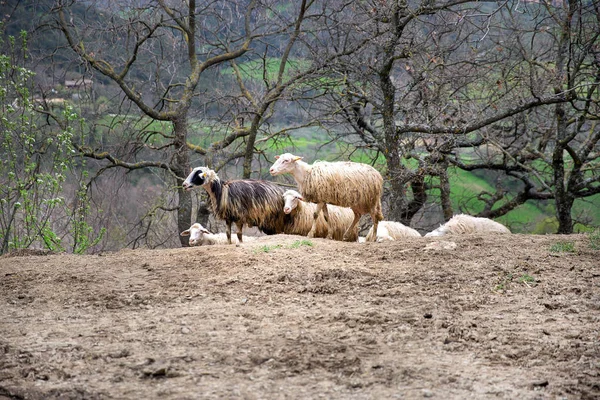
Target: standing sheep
(243, 201)
(465, 224)
(302, 213)
(391, 230)
(200, 236)
(345, 184)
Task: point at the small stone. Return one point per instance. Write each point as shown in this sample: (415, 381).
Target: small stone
(539, 384)
(427, 393)
(428, 315)
(185, 330)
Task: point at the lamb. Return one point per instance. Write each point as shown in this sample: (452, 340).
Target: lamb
(302, 213)
(200, 236)
(243, 201)
(391, 230)
(345, 184)
(465, 224)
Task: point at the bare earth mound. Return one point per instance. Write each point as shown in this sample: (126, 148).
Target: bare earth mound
(491, 317)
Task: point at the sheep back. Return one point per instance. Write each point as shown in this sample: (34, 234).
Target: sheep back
(252, 202)
(344, 183)
(467, 224)
(392, 230)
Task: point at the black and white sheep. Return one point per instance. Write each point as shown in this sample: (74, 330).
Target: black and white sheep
(466, 224)
(302, 216)
(200, 236)
(391, 230)
(243, 201)
(343, 183)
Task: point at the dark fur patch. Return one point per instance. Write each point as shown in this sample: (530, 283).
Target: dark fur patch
(197, 179)
(254, 202)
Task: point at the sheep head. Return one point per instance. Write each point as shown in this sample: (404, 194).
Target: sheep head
(291, 199)
(285, 164)
(195, 233)
(198, 177)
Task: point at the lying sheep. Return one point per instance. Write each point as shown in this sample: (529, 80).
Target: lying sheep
(345, 184)
(302, 213)
(243, 201)
(465, 224)
(391, 230)
(200, 236)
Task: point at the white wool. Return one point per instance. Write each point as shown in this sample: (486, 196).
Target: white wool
(302, 214)
(200, 236)
(462, 224)
(391, 230)
(346, 184)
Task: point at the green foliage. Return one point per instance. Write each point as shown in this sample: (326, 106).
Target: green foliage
(300, 243)
(267, 248)
(562, 247)
(268, 68)
(504, 281)
(296, 245)
(34, 165)
(526, 278)
(507, 279)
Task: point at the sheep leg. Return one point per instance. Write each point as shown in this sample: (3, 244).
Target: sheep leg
(240, 226)
(313, 230)
(349, 231)
(228, 231)
(329, 234)
(376, 216)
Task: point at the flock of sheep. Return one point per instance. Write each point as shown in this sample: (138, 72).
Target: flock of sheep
(331, 198)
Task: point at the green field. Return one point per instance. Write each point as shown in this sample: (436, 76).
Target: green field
(532, 217)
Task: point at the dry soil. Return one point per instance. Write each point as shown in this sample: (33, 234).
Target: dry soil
(499, 317)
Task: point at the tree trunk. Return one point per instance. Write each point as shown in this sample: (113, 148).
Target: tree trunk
(203, 213)
(445, 194)
(564, 206)
(181, 167)
(250, 141)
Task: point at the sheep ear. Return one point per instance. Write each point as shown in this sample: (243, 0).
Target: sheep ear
(298, 158)
(185, 233)
(277, 157)
(204, 230)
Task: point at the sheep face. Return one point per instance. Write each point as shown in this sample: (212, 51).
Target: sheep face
(285, 164)
(198, 177)
(195, 233)
(291, 199)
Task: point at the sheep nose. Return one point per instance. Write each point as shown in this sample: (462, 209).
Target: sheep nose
(272, 171)
(286, 210)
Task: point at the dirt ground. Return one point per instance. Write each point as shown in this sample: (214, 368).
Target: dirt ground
(466, 317)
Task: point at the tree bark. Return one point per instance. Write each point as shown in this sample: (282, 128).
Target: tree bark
(181, 166)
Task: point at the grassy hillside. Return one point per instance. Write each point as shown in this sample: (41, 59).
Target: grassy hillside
(532, 217)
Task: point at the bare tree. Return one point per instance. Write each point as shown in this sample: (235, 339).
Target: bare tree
(440, 82)
(158, 56)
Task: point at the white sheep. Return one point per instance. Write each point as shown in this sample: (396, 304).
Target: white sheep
(343, 183)
(391, 230)
(200, 236)
(465, 224)
(302, 214)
